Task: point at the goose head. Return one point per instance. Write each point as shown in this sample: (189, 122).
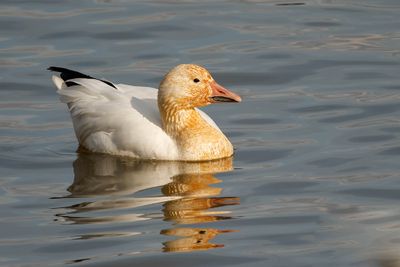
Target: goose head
(187, 86)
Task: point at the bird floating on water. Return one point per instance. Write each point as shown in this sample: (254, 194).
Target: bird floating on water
(144, 122)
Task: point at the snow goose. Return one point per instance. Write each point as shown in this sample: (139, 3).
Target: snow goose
(144, 122)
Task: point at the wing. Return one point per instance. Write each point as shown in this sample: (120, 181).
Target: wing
(109, 119)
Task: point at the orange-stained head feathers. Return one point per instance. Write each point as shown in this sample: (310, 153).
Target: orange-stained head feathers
(189, 86)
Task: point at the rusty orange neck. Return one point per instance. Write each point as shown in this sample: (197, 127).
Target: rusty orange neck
(177, 119)
(195, 137)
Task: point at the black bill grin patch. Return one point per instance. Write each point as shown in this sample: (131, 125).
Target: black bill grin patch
(222, 99)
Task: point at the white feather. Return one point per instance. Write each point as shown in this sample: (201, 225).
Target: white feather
(57, 81)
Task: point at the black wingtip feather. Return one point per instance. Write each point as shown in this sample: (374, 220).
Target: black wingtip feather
(67, 74)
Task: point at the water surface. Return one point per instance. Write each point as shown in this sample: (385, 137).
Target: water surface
(314, 180)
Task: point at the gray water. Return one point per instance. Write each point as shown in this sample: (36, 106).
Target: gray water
(315, 177)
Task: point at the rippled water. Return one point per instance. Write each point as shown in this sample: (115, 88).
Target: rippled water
(314, 181)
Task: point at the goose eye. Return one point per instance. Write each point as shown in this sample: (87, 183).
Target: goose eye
(196, 80)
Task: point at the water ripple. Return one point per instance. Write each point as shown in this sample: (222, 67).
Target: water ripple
(15, 12)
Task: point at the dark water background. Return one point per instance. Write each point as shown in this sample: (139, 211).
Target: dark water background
(316, 171)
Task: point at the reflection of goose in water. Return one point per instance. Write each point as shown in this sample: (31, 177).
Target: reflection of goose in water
(193, 207)
(109, 185)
